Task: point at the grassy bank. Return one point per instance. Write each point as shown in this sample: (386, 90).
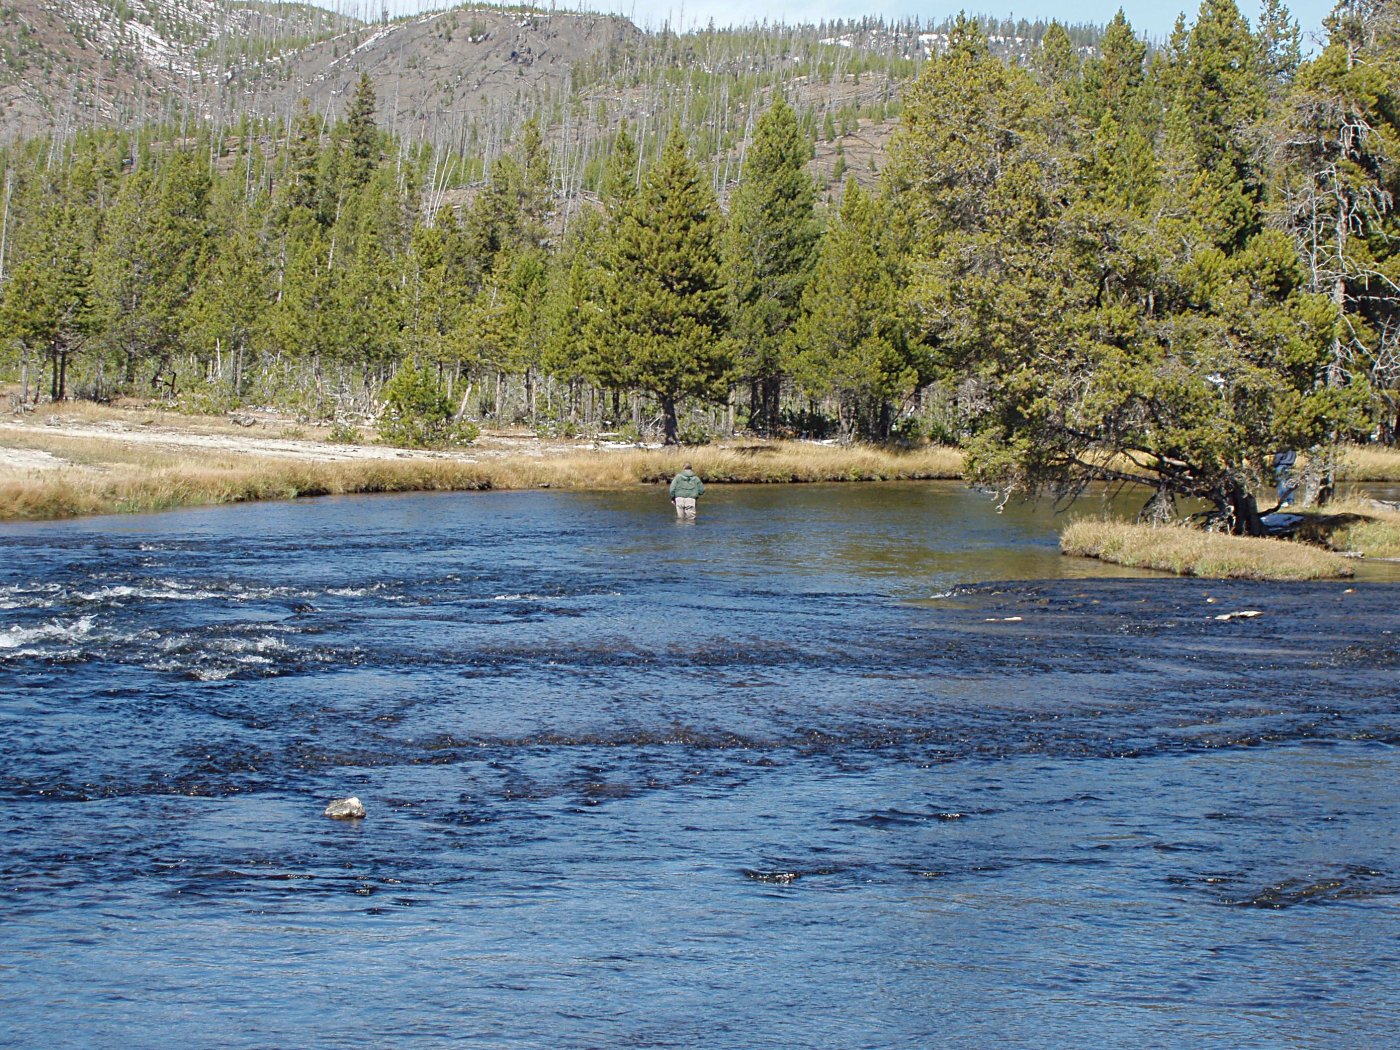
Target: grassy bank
(1191, 552)
(1358, 525)
(1369, 463)
(107, 477)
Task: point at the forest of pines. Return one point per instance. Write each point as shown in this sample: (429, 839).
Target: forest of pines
(1122, 262)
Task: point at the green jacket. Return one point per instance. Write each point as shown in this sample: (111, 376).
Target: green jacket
(687, 483)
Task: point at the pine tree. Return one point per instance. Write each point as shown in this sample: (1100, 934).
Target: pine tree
(225, 314)
(850, 343)
(1217, 94)
(1281, 42)
(46, 305)
(361, 135)
(153, 243)
(975, 167)
(1112, 81)
(1056, 63)
(768, 254)
(663, 294)
(620, 178)
(299, 179)
(1338, 181)
(1188, 351)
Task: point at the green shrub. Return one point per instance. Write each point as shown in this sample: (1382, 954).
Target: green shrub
(693, 432)
(418, 412)
(343, 433)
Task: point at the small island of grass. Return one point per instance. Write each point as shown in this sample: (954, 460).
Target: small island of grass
(1318, 549)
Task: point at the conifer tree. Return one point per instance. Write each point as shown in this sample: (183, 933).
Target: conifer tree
(1056, 62)
(299, 179)
(1217, 93)
(1338, 182)
(768, 253)
(1113, 80)
(590, 275)
(620, 176)
(361, 135)
(153, 243)
(850, 343)
(225, 314)
(46, 305)
(1190, 367)
(663, 294)
(974, 166)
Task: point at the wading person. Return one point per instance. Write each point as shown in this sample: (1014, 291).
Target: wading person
(1283, 475)
(686, 487)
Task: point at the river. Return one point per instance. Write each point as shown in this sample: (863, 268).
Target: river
(830, 767)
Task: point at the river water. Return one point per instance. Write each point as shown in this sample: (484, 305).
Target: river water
(833, 766)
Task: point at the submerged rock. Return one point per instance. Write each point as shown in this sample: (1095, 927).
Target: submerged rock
(345, 809)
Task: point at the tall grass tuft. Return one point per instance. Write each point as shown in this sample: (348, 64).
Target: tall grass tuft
(1192, 552)
(1370, 463)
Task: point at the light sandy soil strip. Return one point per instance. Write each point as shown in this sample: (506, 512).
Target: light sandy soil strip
(160, 437)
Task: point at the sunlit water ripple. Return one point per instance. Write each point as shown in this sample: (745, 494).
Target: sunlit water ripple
(796, 775)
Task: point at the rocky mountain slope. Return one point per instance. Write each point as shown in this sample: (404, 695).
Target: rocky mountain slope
(462, 79)
(68, 64)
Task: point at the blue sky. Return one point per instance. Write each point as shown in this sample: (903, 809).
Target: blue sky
(1152, 19)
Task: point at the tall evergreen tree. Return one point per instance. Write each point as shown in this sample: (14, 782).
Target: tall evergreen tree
(768, 254)
(361, 135)
(1217, 94)
(46, 305)
(299, 188)
(1112, 81)
(850, 343)
(663, 293)
(1339, 177)
(153, 243)
(1182, 372)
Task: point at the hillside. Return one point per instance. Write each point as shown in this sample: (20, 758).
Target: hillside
(465, 79)
(70, 64)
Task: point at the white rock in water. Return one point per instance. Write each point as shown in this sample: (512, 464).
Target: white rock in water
(346, 809)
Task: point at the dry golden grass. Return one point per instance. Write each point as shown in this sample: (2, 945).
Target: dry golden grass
(779, 461)
(1370, 463)
(1192, 552)
(61, 494)
(109, 477)
(1358, 524)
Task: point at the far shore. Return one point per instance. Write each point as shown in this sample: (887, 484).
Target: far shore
(79, 459)
(76, 459)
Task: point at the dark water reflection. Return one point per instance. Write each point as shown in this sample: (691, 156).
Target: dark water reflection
(790, 776)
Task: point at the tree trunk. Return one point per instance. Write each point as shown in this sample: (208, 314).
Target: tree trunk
(58, 381)
(772, 392)
(1243, 511)
(668, 414)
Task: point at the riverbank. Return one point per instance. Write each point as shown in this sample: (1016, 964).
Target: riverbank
(1323, 544)
(89, 459)
(1194, 552)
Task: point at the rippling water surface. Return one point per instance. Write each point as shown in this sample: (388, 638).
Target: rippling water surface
(801, 774)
